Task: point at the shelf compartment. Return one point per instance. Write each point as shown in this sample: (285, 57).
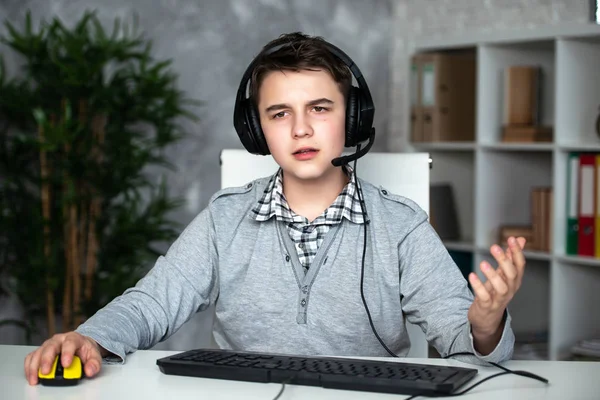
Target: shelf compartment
(493, 59)
(575, 297)
(457, 170)
(530, 307)
(561, 191)
(504, 184)
(577, 93)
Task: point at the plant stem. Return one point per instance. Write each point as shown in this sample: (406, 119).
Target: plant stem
(68, 291)
(82, 231)
(45, 195)
(92, 250)
(67, 316)
(98, 124)
(82, 189)
(75, 267)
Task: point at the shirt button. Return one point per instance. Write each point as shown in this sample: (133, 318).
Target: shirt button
(301, 245)
(303, 302)
(287, 258)
(249, 186)
(307, 229)
(384, 192)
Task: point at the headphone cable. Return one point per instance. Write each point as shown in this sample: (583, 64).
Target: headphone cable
(364, 253)
(391, 353)
(505, 371)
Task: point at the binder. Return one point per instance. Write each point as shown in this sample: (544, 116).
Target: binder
(522, 85)
(587, 191)
(597, 225)
(572, 200)
(446, 107)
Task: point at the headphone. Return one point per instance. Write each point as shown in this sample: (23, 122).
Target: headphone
(360, 110)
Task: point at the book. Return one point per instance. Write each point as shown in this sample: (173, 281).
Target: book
(527, 134)
(587, 348)
(526, 231)
(443, 214)
(522, 87)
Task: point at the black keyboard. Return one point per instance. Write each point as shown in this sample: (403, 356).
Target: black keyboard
(328, 372)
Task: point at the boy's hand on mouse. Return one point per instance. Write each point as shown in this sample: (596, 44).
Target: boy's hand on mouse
(492, 297)
(68, 345)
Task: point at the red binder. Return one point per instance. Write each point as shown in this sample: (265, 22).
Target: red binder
(587, 199)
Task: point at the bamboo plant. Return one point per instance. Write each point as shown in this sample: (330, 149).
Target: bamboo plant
(80, 124)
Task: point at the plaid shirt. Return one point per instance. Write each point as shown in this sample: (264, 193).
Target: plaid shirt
(308, 236)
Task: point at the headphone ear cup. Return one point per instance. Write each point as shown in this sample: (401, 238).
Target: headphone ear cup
(352, 116)
(256, 133)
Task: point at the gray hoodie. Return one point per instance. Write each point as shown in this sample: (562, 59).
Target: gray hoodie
(265, 302)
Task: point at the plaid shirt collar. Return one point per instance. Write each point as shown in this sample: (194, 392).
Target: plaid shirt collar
(273, 204)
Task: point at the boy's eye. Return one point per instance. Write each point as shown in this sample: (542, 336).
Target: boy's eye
(279, 115)
(319, 109)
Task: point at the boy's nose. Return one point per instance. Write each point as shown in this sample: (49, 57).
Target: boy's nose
(302, 127)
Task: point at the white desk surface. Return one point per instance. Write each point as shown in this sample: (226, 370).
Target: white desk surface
(140, 378)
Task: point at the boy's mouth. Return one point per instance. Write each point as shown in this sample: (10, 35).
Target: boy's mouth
(305, 154)
(305, 150)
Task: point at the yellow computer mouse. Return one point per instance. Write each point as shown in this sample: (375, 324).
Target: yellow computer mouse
(59, 376)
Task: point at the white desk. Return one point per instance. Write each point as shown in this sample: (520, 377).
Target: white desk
(140, 378)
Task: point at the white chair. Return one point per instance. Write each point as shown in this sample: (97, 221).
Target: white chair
(406, 174)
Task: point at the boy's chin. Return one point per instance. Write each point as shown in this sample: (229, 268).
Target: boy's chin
(311, 173)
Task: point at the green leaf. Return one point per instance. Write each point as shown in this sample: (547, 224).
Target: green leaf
(2, 72)
(40, 116)
(101, 135)
(100, 33)
(28, 30)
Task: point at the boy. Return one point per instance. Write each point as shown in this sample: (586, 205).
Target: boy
(282, 257)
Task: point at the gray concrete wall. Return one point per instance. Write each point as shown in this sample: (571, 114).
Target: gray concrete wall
(211, 43)
(416, 20)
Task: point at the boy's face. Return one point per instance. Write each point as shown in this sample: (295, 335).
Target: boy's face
(303, 115)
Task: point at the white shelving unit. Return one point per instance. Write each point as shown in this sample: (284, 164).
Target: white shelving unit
(492, 180)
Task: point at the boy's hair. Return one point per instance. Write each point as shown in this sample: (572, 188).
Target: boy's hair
(303, 53)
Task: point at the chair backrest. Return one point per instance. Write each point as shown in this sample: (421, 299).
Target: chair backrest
(405, 174)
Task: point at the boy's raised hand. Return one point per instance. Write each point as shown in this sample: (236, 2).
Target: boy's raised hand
(492, 298)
